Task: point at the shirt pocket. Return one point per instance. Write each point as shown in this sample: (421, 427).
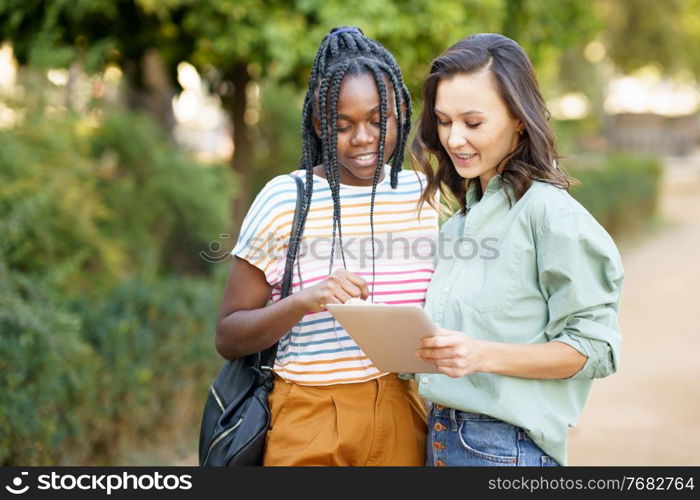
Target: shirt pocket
(493, 284)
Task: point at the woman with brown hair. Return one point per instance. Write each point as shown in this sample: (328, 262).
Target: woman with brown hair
(526, 326)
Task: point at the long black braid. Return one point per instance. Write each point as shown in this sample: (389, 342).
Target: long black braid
(383, 99)
(345, 52)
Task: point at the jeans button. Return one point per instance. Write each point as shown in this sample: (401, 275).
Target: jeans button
(439, 463)
(438, 427)
(438, 446)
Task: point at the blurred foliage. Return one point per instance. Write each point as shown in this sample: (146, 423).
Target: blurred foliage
(107, 311)
(641, 32)
(234, 42)
(113, 199)
(277, 138)
(276, 38)
(620, 190)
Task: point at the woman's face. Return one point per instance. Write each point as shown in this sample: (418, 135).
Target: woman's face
(474, 124)
(358, 128)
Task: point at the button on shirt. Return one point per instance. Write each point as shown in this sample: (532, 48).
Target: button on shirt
(538, 271)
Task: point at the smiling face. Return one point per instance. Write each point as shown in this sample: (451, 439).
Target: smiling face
(358, 128)
(474, 124)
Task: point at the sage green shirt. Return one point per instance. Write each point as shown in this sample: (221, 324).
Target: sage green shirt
(541, 270)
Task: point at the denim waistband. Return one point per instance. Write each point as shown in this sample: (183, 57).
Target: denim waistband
(443, 411)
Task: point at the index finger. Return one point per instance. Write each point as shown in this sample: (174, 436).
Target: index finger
(439, 341)
(359, 282)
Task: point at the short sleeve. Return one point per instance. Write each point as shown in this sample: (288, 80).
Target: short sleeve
(265, 232)
(580, 274)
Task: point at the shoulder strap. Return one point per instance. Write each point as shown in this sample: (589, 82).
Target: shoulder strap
(293, 248)
(267, 357)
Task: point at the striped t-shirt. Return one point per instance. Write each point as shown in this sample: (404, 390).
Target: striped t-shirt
(317, 350)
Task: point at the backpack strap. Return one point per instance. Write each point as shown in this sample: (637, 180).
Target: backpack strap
(267, 357)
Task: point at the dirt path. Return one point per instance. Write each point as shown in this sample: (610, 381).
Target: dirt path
(649, 412)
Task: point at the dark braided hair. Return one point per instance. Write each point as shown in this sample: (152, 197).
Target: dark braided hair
(346, 51)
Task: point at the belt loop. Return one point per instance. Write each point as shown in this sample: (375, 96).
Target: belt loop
(453, 419)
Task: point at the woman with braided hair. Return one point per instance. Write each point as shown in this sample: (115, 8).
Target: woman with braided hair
(361, 236)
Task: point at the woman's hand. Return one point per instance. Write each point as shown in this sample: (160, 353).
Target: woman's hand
(338, 288)
(457, 355)
(454, 353)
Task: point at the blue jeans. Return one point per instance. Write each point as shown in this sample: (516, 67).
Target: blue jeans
(459, 438)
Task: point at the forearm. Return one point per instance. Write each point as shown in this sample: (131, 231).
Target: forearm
(247, 331)
(551, 360)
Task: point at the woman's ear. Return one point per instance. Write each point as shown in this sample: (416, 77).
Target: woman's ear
(317, 124)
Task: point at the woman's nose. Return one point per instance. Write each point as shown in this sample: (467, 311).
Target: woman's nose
(363, 135)
(456, 139)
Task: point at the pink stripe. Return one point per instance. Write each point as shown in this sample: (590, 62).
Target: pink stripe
(423, 290)
(401, 282)
(431, 271)
(382, 273)
(420, 301)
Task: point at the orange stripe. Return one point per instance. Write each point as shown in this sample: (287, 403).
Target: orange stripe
(330, 207)
(284, 245)
(341, 380)
(377, 223)
(376, 203)
(325, 372)
(325, 362)
(287, 226)
(366, 214)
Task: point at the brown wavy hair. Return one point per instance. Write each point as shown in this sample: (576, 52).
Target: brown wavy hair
(534, 157)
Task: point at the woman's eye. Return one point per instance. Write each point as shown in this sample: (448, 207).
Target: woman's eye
(342, 128)
(442, 123)
(473, 125)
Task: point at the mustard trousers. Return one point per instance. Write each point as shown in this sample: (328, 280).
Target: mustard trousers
(382, 422)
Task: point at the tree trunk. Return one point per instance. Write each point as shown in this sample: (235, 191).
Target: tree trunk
(513, 19)
(151, 89)
(242, 159)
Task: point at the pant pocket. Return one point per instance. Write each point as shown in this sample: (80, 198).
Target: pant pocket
(278, 400)
(491, 441)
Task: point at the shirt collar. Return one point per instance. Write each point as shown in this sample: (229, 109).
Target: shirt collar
(493, 186)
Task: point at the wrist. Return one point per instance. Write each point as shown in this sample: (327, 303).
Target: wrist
(488, 357)
(298, 302)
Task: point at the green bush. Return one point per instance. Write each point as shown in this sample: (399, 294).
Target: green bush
(48, 374)
(107, 311)
(620, 190)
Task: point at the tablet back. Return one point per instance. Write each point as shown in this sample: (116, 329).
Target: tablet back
(388, 334)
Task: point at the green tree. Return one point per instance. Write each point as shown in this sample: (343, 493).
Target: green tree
(234, 42)
(641, 32)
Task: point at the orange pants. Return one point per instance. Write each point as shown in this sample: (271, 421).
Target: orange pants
(374, 423)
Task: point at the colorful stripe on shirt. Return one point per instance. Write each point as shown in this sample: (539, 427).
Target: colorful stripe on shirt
(317, 350)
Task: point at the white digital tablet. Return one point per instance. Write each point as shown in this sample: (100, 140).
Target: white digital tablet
(388, 334)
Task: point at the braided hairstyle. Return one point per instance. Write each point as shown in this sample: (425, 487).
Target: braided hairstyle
(346, 51)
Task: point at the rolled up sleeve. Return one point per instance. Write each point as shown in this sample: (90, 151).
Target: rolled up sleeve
(580, 274)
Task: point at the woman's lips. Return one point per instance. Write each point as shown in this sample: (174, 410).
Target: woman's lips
(365, 160)
(464, 159)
